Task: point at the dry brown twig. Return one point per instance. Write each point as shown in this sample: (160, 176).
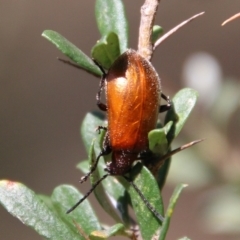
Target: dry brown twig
(148, 13)
(156, 165)
(173, 30)
(231, 19)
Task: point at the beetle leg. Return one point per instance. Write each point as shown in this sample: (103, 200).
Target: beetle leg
(99, 128)
(164, 108)
(145, 155)
(93, 168)
(106, 150)
(101, 105)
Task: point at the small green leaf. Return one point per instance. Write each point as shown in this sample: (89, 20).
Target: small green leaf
(83, 166)
(183, 103)
(158, 143)
(47, 200)
(170, 210)
(157, 32)
(106, 51)
(168, 127)
(71, 51)
(110, 16)
(24, 204)
(163, 173)
(148, 223)
(63, 198)
(117, 229)
(88, 129)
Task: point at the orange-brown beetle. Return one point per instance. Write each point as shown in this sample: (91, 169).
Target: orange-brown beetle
(133, 98)
(133, 93)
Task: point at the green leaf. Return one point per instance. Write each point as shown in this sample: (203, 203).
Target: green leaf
(148, 223)
(106, 51)
(71, 51)
(170, 210)
(63, 198)
(117, 229)
(182, 105)
(47, 200)
(110, 16)
(83, 166)
(163, 173)
(157, 32)
(168, 126)
(24, 204)
(88, 129)
(158, 143)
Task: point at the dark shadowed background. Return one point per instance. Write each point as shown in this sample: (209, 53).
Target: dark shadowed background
(42, 101)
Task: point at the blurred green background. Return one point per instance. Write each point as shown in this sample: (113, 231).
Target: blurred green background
(43, 102)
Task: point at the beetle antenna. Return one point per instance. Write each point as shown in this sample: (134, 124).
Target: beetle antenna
(88, 193)
(149, 206)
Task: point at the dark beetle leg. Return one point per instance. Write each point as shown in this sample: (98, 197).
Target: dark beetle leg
(164, 108)
(99, 128)
(106, 150)
(101, 105)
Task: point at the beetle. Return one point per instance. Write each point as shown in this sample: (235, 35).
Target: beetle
(133, 94)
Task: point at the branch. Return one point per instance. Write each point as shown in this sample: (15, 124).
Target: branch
(231, 19)
(157, 163)
(148, 13)
(172, 31)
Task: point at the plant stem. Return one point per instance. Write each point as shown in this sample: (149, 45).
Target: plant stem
(175, 29)
(148, 13)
